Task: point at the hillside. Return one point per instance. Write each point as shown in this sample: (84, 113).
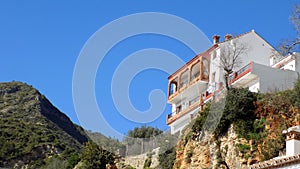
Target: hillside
(250, 131)
(32, 129)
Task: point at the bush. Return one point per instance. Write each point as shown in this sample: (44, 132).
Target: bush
(243, 148)
(73, 160)
(200, 120)
(144, 132)
(55, 162)
(147, 163)
(167, 159)
(95, 157)
(239, 108)
(167, 151)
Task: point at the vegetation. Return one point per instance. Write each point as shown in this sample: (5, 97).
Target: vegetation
(29, 133)
(147, 163)
(239, 106)
(167, 151)
(107, 143)
(230, 58)
(35, 133)
(259, 118)
(197, 125)
(144, 132)
(295, 93)
(292, 45)
(141, 140)
(125, 166)
(95, 157)
(239, 109)
(25, 130)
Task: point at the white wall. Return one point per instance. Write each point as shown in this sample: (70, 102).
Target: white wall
(292, 147)
(183, 121)
(290, 66)
(215, 68)
(291, 166)
(297, 62)
(271, 79)
(173, 108)
(258, 50)
(254, 87)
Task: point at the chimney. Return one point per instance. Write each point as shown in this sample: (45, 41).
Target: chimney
(228, 37)
(292, 140)
(216, 39)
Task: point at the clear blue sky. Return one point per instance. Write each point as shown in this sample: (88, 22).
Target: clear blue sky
(41, 40)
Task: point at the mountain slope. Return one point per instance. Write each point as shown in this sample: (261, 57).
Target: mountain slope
(32, 129)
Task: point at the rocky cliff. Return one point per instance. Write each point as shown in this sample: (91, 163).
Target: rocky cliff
(244, 142)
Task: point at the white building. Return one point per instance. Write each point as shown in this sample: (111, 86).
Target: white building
(291, 160)
(195, 83)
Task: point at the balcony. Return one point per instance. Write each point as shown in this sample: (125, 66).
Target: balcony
(242, 77)
(189, 80)
(193, 104)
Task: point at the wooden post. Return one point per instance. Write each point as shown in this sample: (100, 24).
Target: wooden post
(201, 101)
(201, 68)
(189, 74)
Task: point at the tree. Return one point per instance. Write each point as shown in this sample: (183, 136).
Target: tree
(95, 157)
(144, 132)
(289, 46)
(230, 58)
(141, 139)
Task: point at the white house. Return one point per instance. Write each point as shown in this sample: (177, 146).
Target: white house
(291, 160)
(195, 83)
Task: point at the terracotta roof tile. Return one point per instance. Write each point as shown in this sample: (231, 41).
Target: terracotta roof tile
(276, 162)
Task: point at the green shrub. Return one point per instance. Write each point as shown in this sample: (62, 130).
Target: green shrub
(147, 163)
(167, 151)
(200, 119)
(73, 160)
(243, 148)
(95, 157)
(239, 108)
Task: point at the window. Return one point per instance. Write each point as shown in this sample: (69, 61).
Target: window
(213, 77)
(184, 79)
(195, 71)
(214, 55)
(173, 86)
(178, 109)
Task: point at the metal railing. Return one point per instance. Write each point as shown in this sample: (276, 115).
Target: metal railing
(243, 69)
(238, 74)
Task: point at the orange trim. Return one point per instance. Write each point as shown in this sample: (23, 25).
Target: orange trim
(182, 113)
(190, 108)
(204, 54)
(242, 74)
(170, 97)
